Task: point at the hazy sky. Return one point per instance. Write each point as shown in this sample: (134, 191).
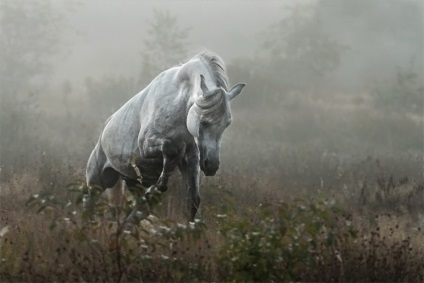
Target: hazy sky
(107, 36)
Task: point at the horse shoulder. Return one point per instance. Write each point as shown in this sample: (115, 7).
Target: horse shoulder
(120, 133)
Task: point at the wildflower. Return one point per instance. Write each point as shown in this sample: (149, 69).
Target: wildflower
(4, 231)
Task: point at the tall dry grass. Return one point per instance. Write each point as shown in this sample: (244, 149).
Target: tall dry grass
(359, 221)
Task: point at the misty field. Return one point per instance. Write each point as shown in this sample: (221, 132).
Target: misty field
(280, 212)
(364, 225)
(321, 176)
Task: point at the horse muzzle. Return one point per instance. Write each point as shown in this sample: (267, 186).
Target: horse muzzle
(210, 172)
(209, 167)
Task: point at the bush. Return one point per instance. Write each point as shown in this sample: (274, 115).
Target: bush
(114, 243)
(286, 243)
(297, 241)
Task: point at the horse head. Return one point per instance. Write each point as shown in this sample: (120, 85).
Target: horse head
(207, 120)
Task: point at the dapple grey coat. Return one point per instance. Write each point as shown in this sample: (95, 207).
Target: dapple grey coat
(176, 121)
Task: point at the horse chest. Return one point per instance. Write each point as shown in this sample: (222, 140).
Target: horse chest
(150, 161)
(153, 151)
(150, 169)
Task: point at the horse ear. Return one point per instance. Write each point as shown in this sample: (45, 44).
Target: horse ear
(203, 86)
(235, 90)
(205, 90)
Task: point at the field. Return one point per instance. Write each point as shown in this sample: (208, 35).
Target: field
(321, 176)
(288, 211)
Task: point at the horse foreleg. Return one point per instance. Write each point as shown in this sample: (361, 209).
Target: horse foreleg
(171, 157)
(194, 197)
(190, 171)
(168, 167)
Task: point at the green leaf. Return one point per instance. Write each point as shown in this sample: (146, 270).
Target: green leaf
(96, 245)
(53, 224)
(79, 236)
(32, 200)
(42, 208)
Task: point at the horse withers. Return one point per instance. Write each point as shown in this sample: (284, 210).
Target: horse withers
(176, 121)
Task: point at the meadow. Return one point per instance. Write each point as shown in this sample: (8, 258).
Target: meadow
(316, 200)
(321, 176)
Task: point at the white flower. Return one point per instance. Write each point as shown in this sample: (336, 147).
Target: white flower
(4, 231)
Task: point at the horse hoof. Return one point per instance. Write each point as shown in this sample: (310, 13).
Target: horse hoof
(162, 189)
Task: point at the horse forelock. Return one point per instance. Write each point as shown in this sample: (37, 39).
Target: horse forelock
(208, 102)
(213, 108)
(217, 67)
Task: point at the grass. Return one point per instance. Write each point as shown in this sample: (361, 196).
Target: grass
(315, 190)
(365, 225)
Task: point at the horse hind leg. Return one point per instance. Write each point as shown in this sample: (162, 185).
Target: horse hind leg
(100, 173)
(113, 185)
(116, 194)
(95, 165)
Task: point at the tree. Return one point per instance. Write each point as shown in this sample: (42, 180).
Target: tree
(299, 50)
(165, 45)
(402, 94)
(111, 91)
(30, 34)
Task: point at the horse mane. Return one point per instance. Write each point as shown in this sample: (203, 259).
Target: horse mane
(218, 68)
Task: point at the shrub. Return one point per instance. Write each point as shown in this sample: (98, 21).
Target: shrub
(302, 240)
(285, 243)
(107, 243)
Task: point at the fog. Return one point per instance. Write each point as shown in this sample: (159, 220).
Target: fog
(108, 37)
(320, 174)
(339, 77)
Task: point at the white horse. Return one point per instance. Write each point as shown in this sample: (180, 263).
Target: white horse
(176, 121)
